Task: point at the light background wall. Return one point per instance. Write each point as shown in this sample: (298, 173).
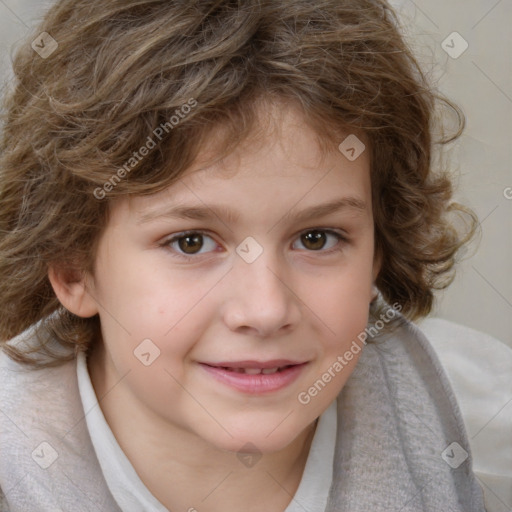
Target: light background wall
(480, 81)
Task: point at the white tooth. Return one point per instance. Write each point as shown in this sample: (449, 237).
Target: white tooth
(252, 371)
(266, 371)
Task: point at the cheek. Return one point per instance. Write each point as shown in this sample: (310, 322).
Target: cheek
(145, 298)
(344, 309)
(347, 322)
(344, 296)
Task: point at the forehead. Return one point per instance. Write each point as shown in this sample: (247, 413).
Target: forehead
(281, 163)
(278, 123)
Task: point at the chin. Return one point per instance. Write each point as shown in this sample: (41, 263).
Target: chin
(258, 441)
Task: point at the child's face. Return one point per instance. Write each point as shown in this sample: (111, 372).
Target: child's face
(217, 307)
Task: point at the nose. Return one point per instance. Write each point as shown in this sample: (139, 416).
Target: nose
(261, 301)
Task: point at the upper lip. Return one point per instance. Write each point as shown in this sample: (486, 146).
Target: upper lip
(274, 363)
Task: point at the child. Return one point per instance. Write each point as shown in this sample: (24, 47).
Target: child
(274, 366)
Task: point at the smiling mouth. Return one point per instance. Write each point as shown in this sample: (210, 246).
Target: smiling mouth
(255, 371)
(256, 377)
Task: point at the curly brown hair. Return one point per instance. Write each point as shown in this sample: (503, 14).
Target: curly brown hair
(124, 68)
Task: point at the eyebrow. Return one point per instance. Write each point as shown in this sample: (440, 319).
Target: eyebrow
(205, 212)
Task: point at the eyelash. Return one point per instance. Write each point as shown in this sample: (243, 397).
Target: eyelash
(341, 240)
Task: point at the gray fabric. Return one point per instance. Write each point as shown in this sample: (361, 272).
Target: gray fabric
(44, 406)
(396, 415)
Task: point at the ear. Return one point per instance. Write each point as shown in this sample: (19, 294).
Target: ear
(70, 287)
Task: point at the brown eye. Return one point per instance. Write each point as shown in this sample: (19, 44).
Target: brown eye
(321, 240)
(193, 243)
(190, 244)
(314, 240)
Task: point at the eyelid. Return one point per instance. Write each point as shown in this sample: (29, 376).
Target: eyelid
(337, 232)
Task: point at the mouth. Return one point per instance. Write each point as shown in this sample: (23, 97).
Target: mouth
(255, 376)
(256, 371)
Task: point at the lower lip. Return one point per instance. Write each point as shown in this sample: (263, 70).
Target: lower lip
(256, 384)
